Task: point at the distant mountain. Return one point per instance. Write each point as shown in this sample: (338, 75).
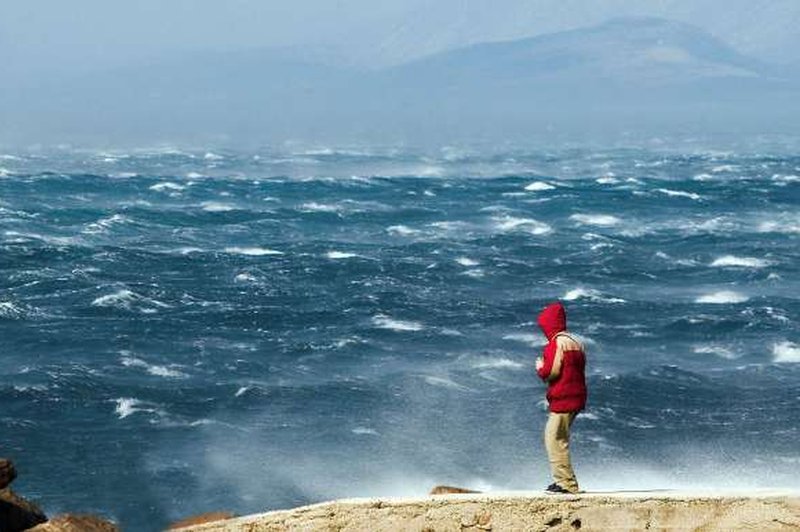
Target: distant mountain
(624, 74)
(638, 52)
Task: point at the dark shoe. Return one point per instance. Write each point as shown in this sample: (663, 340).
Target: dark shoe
(555, 488)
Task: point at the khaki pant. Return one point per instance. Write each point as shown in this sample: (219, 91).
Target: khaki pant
(556, 440)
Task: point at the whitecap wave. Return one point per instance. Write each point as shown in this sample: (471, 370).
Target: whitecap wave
(717, 350)
(526, 338)
(127, 406)
(497, 363)
(590, 294)
(152, 369)
(527, 225)
(244, 277)
(786, 352)
(466, 261)
(722, 297)
(334, 255)
(607, 180)
(680, 193)
(167, 186)
(744, 262)
(252, 251)
(444, 382)
(216, 206)
(605, 220)
(104, 224)
(785, 227)
(12, 311)
(402, 230)
(364, 431)
(313, 206)
(382, 321)
(125, 299)
(539, 186)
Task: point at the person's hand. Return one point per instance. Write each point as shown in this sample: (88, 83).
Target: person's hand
(539, 363)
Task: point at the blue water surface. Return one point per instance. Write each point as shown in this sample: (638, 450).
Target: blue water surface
(184, 331)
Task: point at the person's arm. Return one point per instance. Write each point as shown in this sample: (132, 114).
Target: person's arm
(548, 357)
(558, 361)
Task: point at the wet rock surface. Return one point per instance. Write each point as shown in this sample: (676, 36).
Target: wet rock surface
(17, 513)
(7, 473)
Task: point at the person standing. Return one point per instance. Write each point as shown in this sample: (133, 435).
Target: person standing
(562, 367)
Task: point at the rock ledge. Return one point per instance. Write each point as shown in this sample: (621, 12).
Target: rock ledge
(534, 511)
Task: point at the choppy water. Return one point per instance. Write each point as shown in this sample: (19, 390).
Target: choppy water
(190, 331)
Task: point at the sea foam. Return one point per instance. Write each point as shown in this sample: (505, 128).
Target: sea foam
(340, 255)
(680, 193)
(152, 369)
(539, 186)
(596, 219)
(527, 225)
(591, 294)
(252, 251)
(382, 321)
(744, 262)
(722, 297)
(786, 352)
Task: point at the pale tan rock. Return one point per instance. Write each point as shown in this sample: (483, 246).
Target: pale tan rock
(528, 512)
(441, 490)
(209, 517)
(76, 523)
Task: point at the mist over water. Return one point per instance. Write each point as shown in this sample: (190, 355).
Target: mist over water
(192, 330)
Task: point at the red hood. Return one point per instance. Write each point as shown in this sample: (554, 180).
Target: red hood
(553, 319)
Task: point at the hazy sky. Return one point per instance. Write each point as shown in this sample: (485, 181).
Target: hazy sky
(55, 35)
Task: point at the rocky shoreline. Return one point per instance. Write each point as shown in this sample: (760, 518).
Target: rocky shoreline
(533, 511)
(18, 514)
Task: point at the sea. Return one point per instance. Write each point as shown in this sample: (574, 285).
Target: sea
(185, 330)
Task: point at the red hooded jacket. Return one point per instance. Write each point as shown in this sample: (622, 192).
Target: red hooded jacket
(567, 391)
